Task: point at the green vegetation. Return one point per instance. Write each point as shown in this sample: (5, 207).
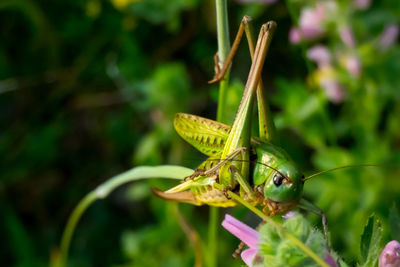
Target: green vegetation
(89, 89)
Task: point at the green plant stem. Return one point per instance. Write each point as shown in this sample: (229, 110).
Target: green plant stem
(212, 236)
(72, 222)
(223, 50)
(281, 231)
(103, 190)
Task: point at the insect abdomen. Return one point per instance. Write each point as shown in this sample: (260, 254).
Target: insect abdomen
(213, 197)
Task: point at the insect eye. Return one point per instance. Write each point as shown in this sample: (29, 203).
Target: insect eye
(278, 179)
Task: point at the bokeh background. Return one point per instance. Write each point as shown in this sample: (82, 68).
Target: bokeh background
(88, 89)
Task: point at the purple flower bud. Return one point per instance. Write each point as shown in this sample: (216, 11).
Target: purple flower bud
(320, 55)
(330, 260)
(388, 37)
(390, 256)
(290, 214)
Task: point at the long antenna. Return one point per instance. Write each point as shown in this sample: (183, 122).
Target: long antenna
(339, 168)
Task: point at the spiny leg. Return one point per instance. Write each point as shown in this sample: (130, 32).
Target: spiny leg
(220, 73)
(266, 124)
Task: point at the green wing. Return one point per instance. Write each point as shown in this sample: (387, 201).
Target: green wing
(208, 136)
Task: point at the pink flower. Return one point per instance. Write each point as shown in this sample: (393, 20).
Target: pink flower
(333, 90)
(294, 35)
(388, 37)
(311, 22)
(353, 65)
(347, 37)
(245, 233)
(320, 55)
(362, 4)
(309, 25)
(390, 256)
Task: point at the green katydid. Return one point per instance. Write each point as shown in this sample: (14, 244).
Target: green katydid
(274, 181)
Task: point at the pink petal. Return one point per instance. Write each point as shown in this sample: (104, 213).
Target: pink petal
(333, 90)
(362, 4)
(319, 54)
(294, 36)
(390, 256)
(248, 256)
(353, 66)
(310, 32)
(290, 214)
(388, 37)
(311, 20)
(245, 233)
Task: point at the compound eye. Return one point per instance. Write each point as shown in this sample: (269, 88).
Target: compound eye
(278, 179)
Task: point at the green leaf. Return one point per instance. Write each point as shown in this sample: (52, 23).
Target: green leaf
(142, 172)
(370, 242)
(395, 222)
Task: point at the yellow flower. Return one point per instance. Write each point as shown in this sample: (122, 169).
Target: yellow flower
(121, 4)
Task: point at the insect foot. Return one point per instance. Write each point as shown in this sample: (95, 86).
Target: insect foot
(226, 190)
(217, 70)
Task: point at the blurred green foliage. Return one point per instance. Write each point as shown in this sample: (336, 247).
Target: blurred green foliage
(89, 89)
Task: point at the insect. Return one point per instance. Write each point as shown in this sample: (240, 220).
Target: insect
(255, 168)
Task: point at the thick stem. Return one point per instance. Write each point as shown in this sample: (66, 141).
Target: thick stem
(223, 50)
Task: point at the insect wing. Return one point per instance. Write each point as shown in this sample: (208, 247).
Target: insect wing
(207, 136)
